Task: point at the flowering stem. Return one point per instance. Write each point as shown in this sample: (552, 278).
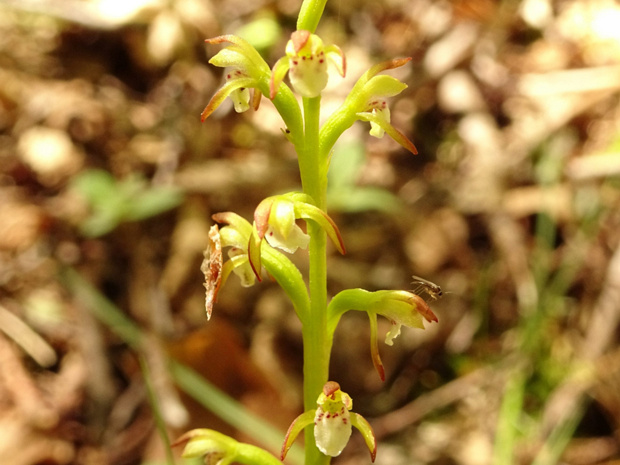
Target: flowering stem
(313, 179)
(310, 14)
(316, 344)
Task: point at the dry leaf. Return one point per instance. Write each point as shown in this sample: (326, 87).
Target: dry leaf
(211, 267)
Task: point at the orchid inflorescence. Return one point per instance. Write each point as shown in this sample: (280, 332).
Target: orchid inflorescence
(306, 62)
(285, 223)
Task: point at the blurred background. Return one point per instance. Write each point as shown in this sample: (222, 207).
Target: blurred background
(108, 181)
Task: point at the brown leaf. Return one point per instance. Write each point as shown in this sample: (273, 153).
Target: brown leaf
(211, 267)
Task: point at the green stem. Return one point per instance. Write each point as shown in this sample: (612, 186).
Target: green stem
(313, 176)
(310, 14)
(316, 343)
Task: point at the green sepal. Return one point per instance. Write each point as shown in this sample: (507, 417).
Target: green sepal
(337, 57)
(203, 441)
(242, 55)
(236, 221)
(249, 59)
(228, 266)
(279, 70)
(374, 346)
(367, 87)
(391, 130)
(298, 425)
(378, 86)
(283, 216)
(230, 56)
(254, 254)
(228, 88)
(379, 67)
(261, 216)
(310, 212)
(364, 427)
(398, 306)
(281, 211)
(232, 237)
(219, 449)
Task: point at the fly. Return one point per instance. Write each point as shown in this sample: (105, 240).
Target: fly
(424, 285)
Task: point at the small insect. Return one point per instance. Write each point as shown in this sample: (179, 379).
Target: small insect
(424, 285)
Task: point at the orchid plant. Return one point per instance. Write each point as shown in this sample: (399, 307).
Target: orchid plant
(262, 245)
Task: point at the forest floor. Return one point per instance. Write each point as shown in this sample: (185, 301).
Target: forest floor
(108, 181)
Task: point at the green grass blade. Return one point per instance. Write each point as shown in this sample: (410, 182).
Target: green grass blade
(188, 380)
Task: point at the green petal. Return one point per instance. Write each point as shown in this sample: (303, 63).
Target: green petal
(241, 267)
(374, 347)
(308, 211)
(255, 63)
(282, 216)
(336, 56)
(224, 92)
(232, 237)
(398, 306)
(254, 254)
(357, 101)
(229, 265)
(383, 86)
(369, 436)
(203, 441)
(256, 96)
(262, 214)
(376, 69)
(230, 57)
(391, 130)
(297, 239)
(235, 221)
(405, 308)
(303, 420)
(278, 72)
(385, 65)
(198, 447)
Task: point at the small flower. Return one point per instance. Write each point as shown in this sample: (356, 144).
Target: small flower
(275, 220)
(306, 62)
(367, 102)
(241, 95)
(379, 111)
(332, 423)
(406, 309)
(282, 231)
(235, 235)
(376, 88)
(401, 308)
(214, 446)
(332, 420)
(245, 70)
(245, 259)
(218, 449)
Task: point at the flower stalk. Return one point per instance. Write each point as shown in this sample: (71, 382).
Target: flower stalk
(315, 341)
(251, 250)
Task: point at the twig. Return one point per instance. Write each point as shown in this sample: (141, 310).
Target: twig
(24, 336)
